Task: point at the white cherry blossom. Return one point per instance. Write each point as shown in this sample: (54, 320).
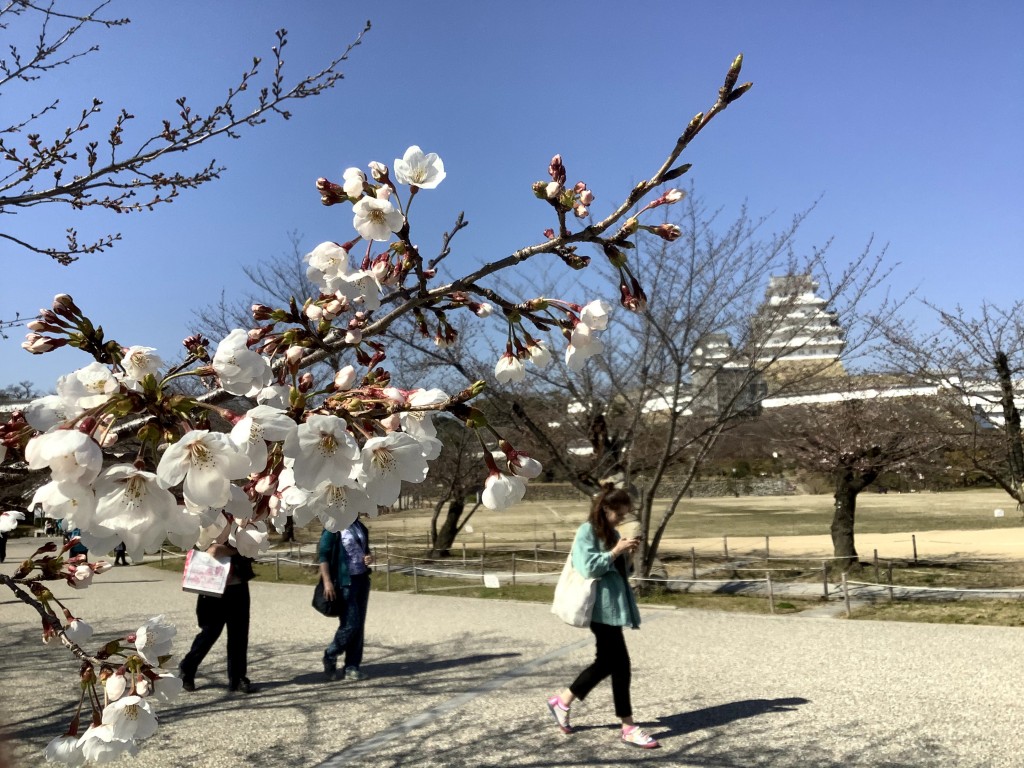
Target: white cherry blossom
(115, 686)
(73, 503)
(328, 262)
(582, 345)
(540, 355)
(154, 638)
(323, 450)
(86, 388)
(595, 314)
(99, 745)
(419, 170)
(362, 287)
(386, 462)
(45, 413)
(64, 750)
(376, 219)
(166, 688)
(259, 426)
(207, 462)
(420, 424)
(131, 503)
(276, 396)
(9, 520)
(78, 631)
(345, 378)
(81, 577)
(522, 465)
(139, 362)
(352, 182)
(130, 718)
(509, 369)
(249, 539)
(72, 456)
(241, 371)
(502, 491)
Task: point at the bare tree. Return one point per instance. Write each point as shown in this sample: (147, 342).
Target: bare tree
(977, 362)
(85, 166)
(871, 430)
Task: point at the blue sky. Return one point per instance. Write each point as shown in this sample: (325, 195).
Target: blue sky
(905, 119)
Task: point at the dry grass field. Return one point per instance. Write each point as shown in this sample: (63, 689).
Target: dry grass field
(942, 524)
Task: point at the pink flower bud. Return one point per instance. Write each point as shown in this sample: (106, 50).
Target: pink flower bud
(261, 312)
(551, 190)
(581, 211)
(353, 336)
(344, 378)
(391, 423)
(378, 171)
(294, 355)
(586, 197)
(305, 382)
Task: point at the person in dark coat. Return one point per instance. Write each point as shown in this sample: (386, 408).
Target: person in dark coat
(214, 613)
(345, 560)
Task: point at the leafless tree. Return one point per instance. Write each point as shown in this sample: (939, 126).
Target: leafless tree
(977, 362)
(114, 167)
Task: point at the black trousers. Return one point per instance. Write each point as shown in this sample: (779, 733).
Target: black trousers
(213, 614)
(612, 659)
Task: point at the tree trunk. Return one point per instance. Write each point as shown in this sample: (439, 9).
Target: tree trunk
(1012, 421)
(450, 527)
(843, 519)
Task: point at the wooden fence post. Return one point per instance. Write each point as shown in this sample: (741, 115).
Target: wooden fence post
(693, 564)
(277, 565)
(415, 581)
(876, 567)
(846, 595)
(824, 576)
(892, 596)
(725, 546)
(913, 540)
(513, 569)
(771, 592)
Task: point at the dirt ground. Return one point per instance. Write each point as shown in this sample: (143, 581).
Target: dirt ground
(1005, 543)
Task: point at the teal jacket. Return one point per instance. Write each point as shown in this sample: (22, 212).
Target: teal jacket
(615, 604)
(330, 551)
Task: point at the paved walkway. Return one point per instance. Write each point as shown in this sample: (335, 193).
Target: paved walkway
(461, 682)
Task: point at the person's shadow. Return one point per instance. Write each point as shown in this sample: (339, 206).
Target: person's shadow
(711, 717)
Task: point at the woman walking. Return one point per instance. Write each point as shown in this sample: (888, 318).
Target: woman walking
(598, 552)
(345, 560)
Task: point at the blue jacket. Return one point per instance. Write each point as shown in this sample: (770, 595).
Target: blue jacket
(330, 551)
(615, 604)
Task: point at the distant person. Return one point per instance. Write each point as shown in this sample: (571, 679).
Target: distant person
(119, 554)
(345, 560)
(598, 552)
(213, 613)
(3, 546)
(79, 548)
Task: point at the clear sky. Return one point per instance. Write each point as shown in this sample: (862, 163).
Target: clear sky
(904, 117)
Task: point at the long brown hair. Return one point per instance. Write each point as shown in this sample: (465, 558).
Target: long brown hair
(609, 498)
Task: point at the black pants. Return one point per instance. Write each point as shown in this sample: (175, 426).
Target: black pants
(612, 659)
(348, 640)
(213, 614)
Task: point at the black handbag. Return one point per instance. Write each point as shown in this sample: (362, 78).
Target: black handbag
(335, 607)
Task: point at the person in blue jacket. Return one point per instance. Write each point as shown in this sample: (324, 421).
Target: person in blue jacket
(345, 560)
(598, 552)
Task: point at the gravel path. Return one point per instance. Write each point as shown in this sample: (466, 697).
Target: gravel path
(461, 682)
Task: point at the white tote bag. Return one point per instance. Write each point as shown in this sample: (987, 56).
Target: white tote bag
(574, 596)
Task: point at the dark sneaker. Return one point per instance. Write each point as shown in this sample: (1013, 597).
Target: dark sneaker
(638, 737)
(560, 713)
(188, 683)
(330, 674)
(242, 684)
(353, 674)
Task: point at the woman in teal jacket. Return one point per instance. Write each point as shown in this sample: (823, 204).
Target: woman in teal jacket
(598, 552)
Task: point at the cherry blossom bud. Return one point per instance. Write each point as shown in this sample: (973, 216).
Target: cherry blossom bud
(330, 193)
(557, 170)
(344, 378)
(392, 422)
(379, 171)
(586, 197)
(260, 312)
(581, 211)
(305, 382)
(353, 336)
(552, 190)
(540, 189)
(41, 327)
(313, 311)
(580, 186)
(669, 232)
(615, 256)
(483, 309)
(673, 196)
(334, 307)
(294, 355)
(39, 345)
(64, 305)
(549, 233)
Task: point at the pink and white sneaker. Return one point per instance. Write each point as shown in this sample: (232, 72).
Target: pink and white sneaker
(561, 714)
(638, 737)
